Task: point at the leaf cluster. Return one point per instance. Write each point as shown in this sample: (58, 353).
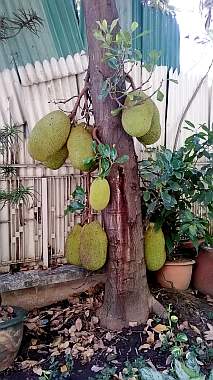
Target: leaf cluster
(117, 45)
(9, 137)
(105, 157)
(172, 182)
(78, 201)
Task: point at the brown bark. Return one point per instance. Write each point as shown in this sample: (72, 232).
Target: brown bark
(126, 294)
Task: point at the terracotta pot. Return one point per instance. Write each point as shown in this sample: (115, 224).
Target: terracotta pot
(175, 274)
(11, 333)
(203, 272)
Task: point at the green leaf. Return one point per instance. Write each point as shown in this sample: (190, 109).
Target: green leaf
(89, 162)
(148, 67)
(146, 196)
(79, 191)
(122, 160)
(104, 25)
(113, 25)
(98, 35)
(113, 153)
(181, 337)
(113, 63)
(173, 81)
(176, 351)
(138, 55)
(104, 90)
(152, 374)
(174, 319)
(182, 375)
(134, 26)
(154, 55)
(116, 111)
(143, 34)
(105, 164)
(104, 150)
(160, 96)
(94, 146)
(190, 124)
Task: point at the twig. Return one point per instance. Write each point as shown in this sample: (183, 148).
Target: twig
(130, 80)
(82, 93)
(94, 135)
(189, 105)
(64, 101)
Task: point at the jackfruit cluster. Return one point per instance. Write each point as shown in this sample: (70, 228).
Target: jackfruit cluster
(87, 246)
(141, 119)
(155, 251)
(99, 194)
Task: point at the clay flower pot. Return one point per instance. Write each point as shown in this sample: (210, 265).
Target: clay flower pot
(203, 272)
(175, 274)
(11, 333)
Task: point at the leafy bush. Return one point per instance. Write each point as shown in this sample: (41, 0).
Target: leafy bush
(172, 182)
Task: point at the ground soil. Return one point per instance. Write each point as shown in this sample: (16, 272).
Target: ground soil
(50, 331)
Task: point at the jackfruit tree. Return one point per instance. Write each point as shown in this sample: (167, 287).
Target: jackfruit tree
(120, 114)
(127, 296)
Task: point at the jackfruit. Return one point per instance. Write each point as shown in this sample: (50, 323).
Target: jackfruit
(93, 246)
(72, 246)
(99, 194)
(57, 159)
(79, 145)
(153, 135)
(49, 135)
(137, 118)
(155, 251)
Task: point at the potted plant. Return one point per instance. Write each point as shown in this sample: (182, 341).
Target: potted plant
(173, 183)
(11, 333)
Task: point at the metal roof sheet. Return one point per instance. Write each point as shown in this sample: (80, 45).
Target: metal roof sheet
(58, 37)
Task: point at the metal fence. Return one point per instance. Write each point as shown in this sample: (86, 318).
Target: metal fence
(34, 234)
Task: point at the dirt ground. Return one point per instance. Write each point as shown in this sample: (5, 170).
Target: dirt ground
(70, 329)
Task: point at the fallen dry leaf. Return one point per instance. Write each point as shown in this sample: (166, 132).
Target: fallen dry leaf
(195, 329)
(183, 326)
(38, 371)
(160, 328)
(144, 346)
(151, 337)
(96, 368)
(78, 324)
(109, 336)
(28, 364)
(63, 368)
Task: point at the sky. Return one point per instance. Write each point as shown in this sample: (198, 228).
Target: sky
(193, 55)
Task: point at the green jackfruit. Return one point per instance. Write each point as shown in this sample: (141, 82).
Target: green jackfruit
(93, 246)
(49, 135)
(155, 251)
(72, 246)
(79, 145)
(153, 135)
(57, 159)
(137, 118)
(99, 194)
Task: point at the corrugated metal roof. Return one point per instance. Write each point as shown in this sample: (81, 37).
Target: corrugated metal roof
(58, 37)
(164, 34)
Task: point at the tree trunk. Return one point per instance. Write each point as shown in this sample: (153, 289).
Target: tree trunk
(126, 293)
